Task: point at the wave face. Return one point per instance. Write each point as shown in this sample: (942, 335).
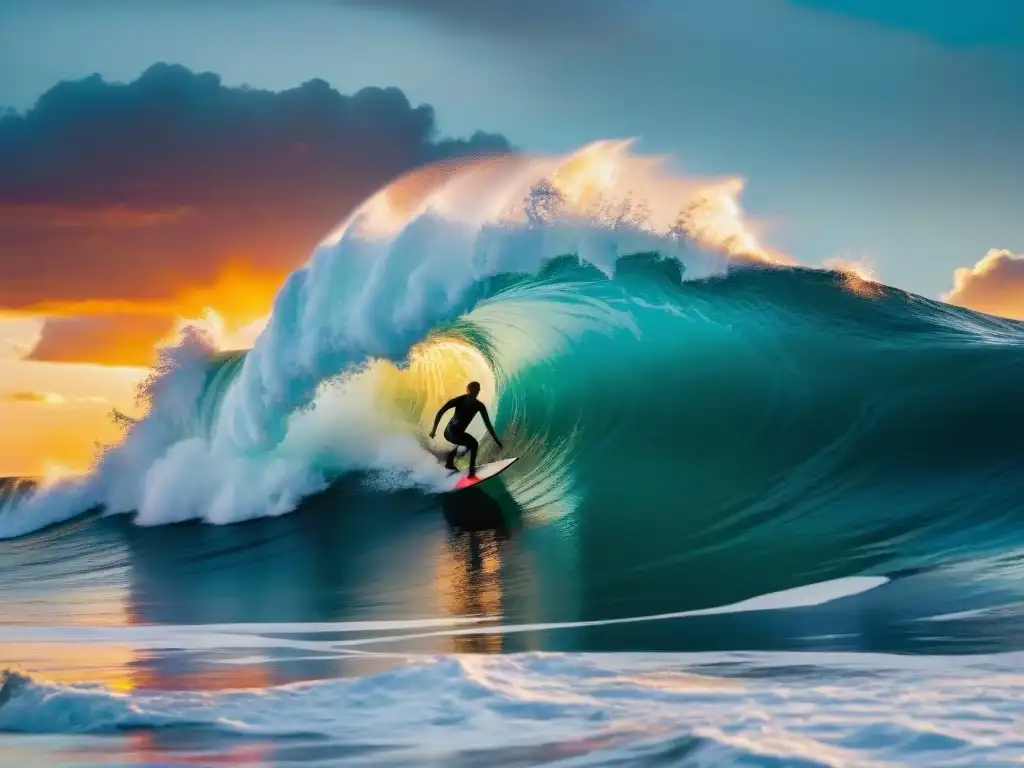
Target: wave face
(779, 405)
(655, 370)
(770, 426)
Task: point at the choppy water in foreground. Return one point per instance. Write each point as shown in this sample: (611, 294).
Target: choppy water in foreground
(390, 636)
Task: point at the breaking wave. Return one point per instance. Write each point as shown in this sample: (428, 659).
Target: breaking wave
(639, 346)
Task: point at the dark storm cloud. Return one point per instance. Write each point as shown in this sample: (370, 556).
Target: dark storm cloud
(125, 191)
(115, 197)
(174, 138)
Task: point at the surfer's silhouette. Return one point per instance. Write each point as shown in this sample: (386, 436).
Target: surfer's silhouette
(466, 407)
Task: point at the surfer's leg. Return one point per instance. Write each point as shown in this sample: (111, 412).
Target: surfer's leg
(472, 444)
(465, 440)
(456, 439)
(449, 460)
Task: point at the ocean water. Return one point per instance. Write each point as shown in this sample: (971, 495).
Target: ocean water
(764, 514)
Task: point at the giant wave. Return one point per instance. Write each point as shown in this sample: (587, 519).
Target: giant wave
(642, 349)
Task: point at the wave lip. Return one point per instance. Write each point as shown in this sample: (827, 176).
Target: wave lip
(858, 709)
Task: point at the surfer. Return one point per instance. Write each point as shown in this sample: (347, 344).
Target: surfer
(466, 407)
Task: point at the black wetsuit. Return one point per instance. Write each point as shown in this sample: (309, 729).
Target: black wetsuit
(466, 409)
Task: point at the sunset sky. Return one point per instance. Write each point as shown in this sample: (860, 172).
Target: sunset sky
(161, 159)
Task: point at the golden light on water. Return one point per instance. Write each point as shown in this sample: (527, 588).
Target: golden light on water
(108, 664)
(467, 580)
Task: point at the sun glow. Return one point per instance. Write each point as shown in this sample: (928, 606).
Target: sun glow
(55, 473)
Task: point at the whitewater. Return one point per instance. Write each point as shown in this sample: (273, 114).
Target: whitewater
(765, 514)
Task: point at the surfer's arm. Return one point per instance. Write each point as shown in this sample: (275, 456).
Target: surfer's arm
(487, 423)
(437, 419)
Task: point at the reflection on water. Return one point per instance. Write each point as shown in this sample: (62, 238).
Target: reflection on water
(339, 558)
(468, 573)
(342, 558)
(151, 671)
(468, 580)
(145, 747)
(349, 557)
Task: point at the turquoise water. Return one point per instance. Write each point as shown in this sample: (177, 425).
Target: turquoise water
(756, 452)
(764, 515)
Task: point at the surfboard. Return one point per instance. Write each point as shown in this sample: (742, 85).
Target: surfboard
(461, 480)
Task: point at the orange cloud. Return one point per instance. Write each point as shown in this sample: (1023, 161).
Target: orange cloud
(50, 398)
(15, 217)
(104, 339)
(128, 333)
(995, 285)
(44, 398)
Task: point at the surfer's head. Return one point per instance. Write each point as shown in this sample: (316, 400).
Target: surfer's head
(473, 389)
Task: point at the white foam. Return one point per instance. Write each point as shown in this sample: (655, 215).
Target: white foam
(594, 710)
(994, 611)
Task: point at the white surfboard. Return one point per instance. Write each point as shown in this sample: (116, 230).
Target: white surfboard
(460, 480)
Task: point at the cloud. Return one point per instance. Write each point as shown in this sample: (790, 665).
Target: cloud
(138, 198)
(50, 398)
(995, 285)
(14, 217)
(42, 398)
(120, 339)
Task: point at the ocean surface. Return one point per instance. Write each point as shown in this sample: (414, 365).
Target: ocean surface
(764, 514)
